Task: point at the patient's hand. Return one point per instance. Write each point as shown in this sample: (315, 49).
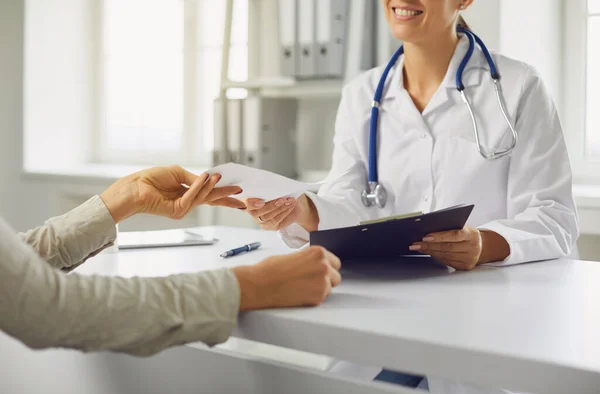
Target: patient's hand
(303, 278)
(166, 191)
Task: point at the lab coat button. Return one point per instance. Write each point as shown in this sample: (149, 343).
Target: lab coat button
(424, 135)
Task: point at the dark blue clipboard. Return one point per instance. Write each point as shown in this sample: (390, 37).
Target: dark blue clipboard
(390, 238)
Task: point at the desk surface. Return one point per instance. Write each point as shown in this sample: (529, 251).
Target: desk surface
(533, 327)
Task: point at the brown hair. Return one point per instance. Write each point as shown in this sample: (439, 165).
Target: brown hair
(462, 23)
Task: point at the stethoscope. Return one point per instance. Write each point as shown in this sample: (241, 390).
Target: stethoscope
(376, 194)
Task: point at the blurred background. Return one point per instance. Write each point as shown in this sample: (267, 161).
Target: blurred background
(92, 90)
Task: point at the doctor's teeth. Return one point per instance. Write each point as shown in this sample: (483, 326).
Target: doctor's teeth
(401, 12)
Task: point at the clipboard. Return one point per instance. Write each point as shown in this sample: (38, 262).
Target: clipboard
(389, 238)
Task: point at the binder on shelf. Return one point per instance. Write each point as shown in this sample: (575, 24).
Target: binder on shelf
(218, 133)
(307, 39)
(269, 134)
(389, 239)
(234, 132)
(369, 42)
(234, 129)
(288, 32)
(331, 33)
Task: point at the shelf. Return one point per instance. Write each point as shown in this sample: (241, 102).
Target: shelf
(261, 83)
(287, 87)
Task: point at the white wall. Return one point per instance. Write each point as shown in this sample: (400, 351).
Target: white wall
(483, 18)
(532, 31)
(35, 201)
(58, 96)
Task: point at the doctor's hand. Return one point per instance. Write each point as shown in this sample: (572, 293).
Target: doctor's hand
(464, 249)
(280, 213)
(166, 191)
(303, 278)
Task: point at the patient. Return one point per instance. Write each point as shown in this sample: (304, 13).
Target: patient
(43, 307)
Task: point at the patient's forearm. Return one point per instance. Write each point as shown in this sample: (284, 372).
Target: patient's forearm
(68, 240)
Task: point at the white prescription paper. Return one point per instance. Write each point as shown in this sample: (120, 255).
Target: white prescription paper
(257, 183)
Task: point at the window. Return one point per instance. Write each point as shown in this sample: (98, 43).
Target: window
(580, 98)
(592, 129)
(160, 64)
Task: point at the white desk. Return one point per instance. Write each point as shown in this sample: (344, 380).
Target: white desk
(532, 327)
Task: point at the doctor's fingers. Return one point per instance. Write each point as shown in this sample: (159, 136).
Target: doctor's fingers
(260, 207)
(273, 220)
(271, 215)
(443, 247)
(254, 203)
(460, 263)
(271, 209)
(464, 234)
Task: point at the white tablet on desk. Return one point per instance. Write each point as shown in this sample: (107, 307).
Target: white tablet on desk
(162, 238)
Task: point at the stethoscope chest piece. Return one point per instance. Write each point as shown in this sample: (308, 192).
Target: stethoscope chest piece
(375, 196)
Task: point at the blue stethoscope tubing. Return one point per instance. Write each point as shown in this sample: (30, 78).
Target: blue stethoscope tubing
(376, 195)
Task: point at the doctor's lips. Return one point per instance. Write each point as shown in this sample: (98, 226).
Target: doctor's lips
(405, 13)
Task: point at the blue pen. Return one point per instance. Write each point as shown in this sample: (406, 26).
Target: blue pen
(241, 249)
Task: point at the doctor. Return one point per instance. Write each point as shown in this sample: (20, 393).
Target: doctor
(429, 155)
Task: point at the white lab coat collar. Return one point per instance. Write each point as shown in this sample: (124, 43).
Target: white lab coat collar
(472, 75)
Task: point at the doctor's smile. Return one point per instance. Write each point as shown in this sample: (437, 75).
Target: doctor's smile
(405, 14)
